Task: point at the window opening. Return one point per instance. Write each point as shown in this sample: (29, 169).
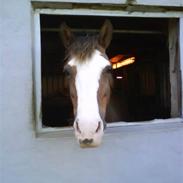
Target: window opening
(141, 89)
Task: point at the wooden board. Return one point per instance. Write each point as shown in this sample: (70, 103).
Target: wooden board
(174, 68)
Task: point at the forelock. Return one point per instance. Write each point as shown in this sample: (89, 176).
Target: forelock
(82, 48)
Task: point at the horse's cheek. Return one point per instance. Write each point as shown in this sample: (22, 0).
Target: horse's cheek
(73, 96)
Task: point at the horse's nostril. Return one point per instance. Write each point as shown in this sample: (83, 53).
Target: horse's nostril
(98, 127)
(86, 141)
(77, 127)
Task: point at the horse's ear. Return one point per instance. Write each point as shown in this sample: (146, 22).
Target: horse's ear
(105, 34)
(66, 34)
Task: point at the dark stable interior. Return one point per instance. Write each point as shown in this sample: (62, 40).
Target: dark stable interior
(142, 92)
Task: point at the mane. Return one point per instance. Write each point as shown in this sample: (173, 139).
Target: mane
(82, 47)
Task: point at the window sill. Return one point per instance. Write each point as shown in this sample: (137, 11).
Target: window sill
(117, 127)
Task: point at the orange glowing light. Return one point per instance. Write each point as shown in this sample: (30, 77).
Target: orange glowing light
(117, 58)
(123, 63)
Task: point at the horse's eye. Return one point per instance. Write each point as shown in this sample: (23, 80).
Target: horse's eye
(67, 70)
(108, 69)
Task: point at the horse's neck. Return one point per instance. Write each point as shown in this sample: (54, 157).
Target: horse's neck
(117, 109)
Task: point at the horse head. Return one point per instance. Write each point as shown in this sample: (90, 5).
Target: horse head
(88, 78)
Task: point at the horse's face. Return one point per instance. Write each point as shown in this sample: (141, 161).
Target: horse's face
(89, 85)
(88, 78)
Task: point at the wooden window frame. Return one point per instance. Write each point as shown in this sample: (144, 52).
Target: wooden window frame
(176, 65)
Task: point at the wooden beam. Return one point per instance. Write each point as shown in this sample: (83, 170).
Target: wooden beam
(174, 68)
(170, 3)
(121, 31)
(181, 58)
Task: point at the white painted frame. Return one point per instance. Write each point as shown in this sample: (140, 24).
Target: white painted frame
(68, 131)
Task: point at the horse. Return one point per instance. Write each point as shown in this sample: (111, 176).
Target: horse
(88, 78)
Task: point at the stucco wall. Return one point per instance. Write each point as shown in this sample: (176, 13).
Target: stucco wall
(124, 157)
(16, 84)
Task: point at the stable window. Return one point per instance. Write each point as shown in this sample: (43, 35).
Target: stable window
(145, 57)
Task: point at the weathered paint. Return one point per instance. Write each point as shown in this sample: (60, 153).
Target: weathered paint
(114, 13)
(178, 3)
(174, 67)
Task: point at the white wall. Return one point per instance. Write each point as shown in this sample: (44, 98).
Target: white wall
(16, 84)
(125, 156)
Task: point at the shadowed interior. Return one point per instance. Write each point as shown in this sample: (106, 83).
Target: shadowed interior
(143, 92)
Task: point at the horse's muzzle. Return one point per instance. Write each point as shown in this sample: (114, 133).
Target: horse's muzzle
(86, 141)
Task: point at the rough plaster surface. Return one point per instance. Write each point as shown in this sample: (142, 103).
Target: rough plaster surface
(146, 156)
(133, 155)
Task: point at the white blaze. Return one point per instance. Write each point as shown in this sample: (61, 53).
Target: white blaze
(87, 84)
